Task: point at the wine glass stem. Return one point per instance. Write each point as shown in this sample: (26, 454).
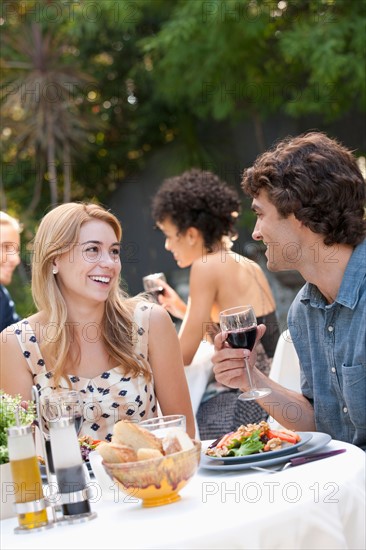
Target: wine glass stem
(252, 386)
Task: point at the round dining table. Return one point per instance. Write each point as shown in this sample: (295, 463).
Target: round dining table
(318, 505)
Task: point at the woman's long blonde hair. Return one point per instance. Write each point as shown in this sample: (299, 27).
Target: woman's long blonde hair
(57, 234)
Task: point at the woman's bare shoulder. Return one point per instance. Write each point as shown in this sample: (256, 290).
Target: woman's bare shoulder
(10, 350)
(207, 263)
(35, 324)
(161, 329)
(159, 315)
(16, 376)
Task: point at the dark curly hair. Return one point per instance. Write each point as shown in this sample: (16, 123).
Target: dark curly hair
(198, 199)
(318, 180)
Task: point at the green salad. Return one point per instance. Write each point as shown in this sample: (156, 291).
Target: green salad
(246, 445)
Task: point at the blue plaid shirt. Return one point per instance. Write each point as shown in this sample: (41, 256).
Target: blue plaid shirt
(330, 340)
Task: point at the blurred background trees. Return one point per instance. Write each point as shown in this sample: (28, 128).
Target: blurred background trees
(92, 90)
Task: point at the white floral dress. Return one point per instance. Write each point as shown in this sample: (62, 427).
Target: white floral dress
(110, 396)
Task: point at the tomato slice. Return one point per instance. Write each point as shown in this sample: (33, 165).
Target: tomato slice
(284, 436)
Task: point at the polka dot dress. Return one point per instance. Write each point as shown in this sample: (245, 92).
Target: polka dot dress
(107, 398)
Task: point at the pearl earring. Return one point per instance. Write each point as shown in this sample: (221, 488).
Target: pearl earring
(55, 270)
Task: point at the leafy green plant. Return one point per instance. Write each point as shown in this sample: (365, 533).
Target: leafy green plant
(12, 413)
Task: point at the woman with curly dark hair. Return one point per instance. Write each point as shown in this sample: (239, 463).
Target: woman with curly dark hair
(197, 212)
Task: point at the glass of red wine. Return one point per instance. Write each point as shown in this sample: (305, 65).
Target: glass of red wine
(152, 284)
(240, 324)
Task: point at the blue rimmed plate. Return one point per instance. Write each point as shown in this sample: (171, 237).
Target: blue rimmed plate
(316, 442)
(287, 448)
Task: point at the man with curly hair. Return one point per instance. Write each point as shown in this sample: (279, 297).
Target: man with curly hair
(197, 212)
(309, 197)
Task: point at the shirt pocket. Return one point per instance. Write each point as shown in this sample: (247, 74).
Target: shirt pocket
(354, 391)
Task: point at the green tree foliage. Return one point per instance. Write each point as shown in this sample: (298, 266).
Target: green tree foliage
(42, 104)
(235, 58)
(132, 76)
(326, 51)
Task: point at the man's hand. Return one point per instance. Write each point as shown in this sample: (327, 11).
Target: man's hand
(229, 366)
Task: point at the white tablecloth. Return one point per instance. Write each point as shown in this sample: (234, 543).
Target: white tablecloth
(320, 505)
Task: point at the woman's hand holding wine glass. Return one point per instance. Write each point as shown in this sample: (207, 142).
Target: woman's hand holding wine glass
(152, 284)
(240, 324)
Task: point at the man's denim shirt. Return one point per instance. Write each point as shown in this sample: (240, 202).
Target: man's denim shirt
(330, 340)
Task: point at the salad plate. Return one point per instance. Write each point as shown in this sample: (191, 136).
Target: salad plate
(286, 449)
(317, 441)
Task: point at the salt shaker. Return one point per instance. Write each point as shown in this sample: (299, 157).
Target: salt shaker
(29, 502)
(69, 470)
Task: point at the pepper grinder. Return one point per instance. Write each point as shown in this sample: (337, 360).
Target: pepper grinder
(69, 470)
(52, 494)
(29, 502)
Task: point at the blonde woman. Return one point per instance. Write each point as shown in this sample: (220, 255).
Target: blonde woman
(121, 353)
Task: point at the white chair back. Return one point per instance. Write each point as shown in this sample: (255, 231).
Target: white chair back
(198, 374)
(285, 368)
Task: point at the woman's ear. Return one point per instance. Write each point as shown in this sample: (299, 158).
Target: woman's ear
(193, 234)
(54, 266)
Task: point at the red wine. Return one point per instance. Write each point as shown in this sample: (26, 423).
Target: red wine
(243, 338)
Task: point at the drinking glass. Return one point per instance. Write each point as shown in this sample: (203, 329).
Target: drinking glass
(162, 425)
(151, 284)
(63, 403)
(240, 324)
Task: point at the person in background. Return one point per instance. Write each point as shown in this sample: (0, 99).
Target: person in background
(197, 212)
(309, 198)
(121, 353)
(10, 245)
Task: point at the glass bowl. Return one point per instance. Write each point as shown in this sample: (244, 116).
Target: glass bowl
(161, 425)
(156, 481)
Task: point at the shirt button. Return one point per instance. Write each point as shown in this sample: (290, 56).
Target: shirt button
(330, 328)
(333, 369)
(345, 409)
